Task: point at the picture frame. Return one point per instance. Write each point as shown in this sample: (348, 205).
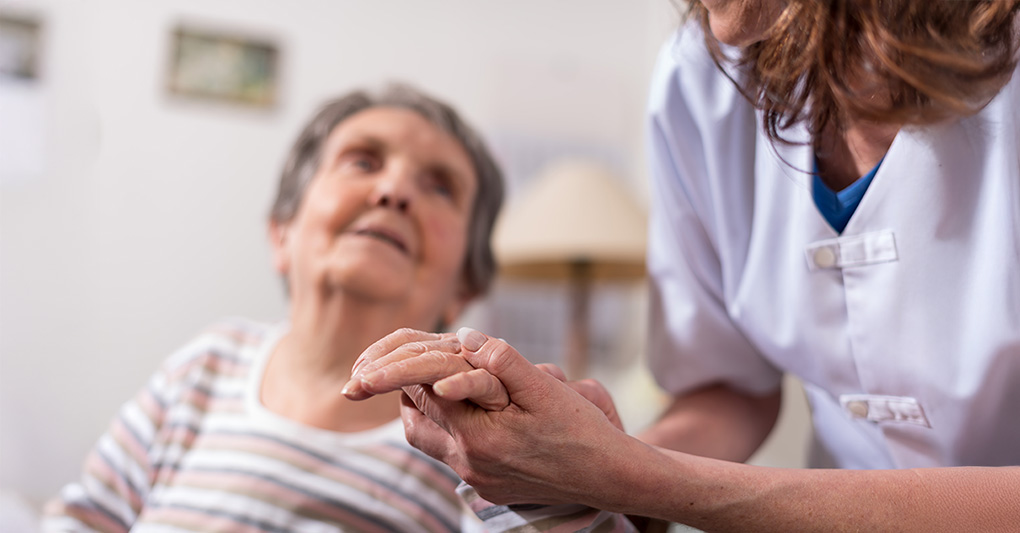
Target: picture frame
(217, 66)
(20, 47)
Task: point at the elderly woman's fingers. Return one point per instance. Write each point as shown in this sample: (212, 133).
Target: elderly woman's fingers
(426, 368)
(478, 386)
(399, 338)
(401, 345)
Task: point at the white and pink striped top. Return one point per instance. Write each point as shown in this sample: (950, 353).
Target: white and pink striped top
(195, 450)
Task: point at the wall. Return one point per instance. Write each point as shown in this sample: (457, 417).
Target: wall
(147, 219)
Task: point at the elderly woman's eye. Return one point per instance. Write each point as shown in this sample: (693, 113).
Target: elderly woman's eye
(440, 184)
(359, 161)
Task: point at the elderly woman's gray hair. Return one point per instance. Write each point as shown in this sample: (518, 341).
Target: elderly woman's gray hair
(305, 156)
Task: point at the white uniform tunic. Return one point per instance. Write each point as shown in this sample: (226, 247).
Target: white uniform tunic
(905, 329)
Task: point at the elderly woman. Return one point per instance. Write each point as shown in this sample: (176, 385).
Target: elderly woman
(382, 221)
(836, 196)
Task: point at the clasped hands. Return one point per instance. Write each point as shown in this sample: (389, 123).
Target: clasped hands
(511, 429)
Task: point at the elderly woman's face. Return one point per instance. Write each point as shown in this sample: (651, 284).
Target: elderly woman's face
(385, 217)
(742, 22)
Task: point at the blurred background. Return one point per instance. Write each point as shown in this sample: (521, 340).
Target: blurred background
(140, 145)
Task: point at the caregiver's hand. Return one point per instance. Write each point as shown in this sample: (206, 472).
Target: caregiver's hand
(551, 444)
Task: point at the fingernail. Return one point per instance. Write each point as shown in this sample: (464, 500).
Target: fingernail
(348, 388)
(471, 339)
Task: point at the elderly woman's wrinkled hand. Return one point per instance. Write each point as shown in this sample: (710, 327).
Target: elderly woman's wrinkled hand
(408, 357)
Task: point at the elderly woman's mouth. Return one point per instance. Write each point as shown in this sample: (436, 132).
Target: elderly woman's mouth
(384, 236)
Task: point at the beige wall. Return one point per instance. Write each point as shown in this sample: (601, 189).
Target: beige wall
(146, 221)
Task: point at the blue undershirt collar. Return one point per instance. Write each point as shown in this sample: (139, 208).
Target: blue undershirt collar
(838, 207)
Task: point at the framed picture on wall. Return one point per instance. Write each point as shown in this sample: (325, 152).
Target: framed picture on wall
(218, 66)
(19, 47)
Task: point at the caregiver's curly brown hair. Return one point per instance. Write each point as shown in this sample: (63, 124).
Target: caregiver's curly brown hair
(924, 60)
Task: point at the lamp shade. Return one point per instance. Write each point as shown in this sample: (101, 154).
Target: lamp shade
(573, 212)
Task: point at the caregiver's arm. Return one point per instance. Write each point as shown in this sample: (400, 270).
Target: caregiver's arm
(715, 421)
(551, 445)
(723, 496)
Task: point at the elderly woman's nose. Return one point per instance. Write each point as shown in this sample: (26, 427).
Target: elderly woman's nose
(395, 190)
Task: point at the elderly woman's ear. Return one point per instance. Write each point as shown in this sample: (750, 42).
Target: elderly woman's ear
(278, 242)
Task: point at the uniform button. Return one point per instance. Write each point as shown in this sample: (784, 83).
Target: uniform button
(825, 257)
(858, 408)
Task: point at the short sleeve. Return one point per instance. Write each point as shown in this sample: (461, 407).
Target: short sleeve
(701, 151)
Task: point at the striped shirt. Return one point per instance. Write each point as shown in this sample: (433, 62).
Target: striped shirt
(195, 450)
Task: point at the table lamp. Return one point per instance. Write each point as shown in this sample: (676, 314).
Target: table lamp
(577, 222)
